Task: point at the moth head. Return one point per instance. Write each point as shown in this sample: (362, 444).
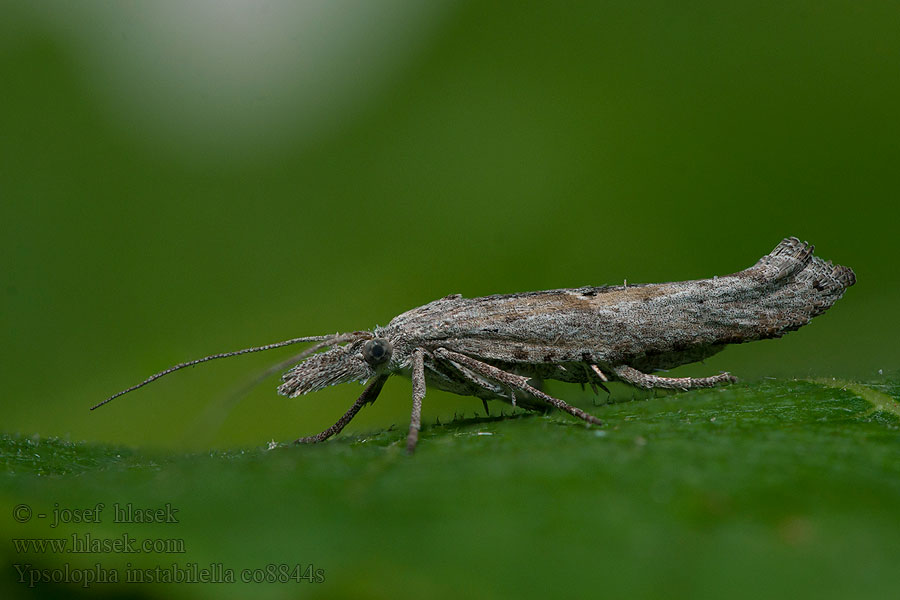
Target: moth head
(358, 360)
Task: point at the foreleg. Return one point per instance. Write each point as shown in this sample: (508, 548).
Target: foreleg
(369, 395)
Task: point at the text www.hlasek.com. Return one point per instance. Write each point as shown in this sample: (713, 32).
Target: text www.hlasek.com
(87, 544)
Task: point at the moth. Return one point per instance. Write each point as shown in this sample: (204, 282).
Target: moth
(492, 347)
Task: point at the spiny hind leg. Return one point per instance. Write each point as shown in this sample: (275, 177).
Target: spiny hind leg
(369, 395)
(515, 382)
(646, 381)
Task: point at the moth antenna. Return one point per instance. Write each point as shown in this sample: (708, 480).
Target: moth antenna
(325, 340)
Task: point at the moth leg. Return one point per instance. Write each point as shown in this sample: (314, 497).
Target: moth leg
(474, 380)
(646, 381)
(483, 383)
(479, 382)
(602, 377)
(369, 395)
(418, 391)
(518, 382)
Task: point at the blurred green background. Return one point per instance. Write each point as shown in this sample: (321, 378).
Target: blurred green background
(181, 179)
(178, 179)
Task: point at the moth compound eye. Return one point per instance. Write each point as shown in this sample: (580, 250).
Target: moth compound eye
(377, 351)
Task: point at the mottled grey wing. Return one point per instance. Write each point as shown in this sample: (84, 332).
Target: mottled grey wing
(652, 325)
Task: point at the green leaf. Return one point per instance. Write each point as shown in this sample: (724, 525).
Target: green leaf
(764, 490)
